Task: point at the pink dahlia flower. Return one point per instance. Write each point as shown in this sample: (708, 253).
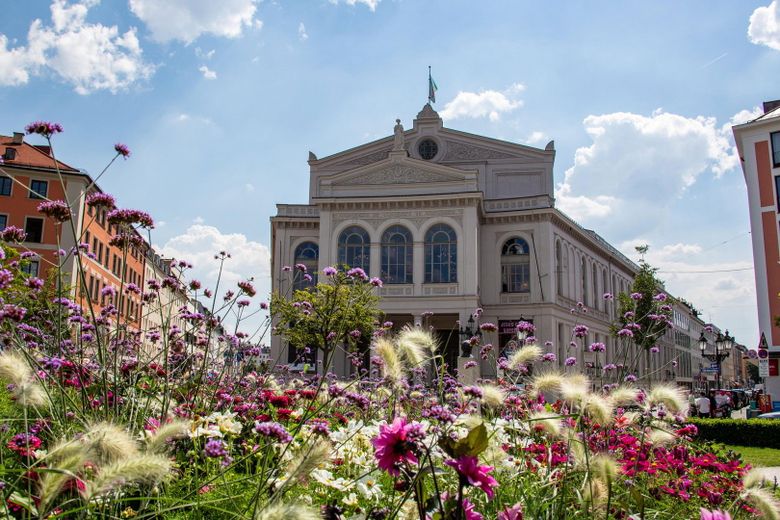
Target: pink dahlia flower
(396, 444)
(476, 475)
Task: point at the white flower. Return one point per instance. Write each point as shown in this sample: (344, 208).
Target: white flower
(350, 500)
(325, 477)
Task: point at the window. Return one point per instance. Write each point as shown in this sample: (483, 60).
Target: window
(31, 267)
(3, 222)
(584, 279)
(428, 149)
(515, 266)
(5, 186)
(441, 255)
(775, 149)
(355, 248)
(39, 189)
(34, 228)
(559, 268)
(777, 191)
(308, 254)
(594, 292)
(397, 251)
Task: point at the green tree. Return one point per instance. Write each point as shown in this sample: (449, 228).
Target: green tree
(646, 312)
(339, 312)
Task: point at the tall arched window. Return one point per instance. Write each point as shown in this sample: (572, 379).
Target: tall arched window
(397, 253)
(515, 266)
(307, 254)
(584, 279)
(595, 287)
(559, 268)
(355, 248)
(441, 254)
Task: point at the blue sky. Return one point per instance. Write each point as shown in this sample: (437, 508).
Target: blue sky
(220, 103)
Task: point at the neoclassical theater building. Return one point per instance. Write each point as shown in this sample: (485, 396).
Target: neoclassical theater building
(452, 222)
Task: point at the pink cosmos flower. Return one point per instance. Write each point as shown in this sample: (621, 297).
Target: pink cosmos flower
(511, 513)
(476, 475)
(396, 444)
(714, 515)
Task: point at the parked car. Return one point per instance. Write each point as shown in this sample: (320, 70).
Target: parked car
(770, 415)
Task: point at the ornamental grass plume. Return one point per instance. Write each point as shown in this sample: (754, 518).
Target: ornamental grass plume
(416, 345)
(624, 395)
(575, 388)
(546, 421)
(525, 356)
(157, 442)
(605, 467)
(660, 436)
(279, 511)
(595, 492)
(764, 501)
(108, 443)
(391, 363)
(547, 382)
(63, 462)
(598, 408)
(139, 469)
(492, 396)
(670, 396)
(305, 460)
(24, 388)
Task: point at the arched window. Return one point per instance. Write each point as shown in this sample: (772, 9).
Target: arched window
(584, 280)
(307, 254)
(595, 287)
(355, 248)
(515, 266)
(559, 268)
(397, 255)
(441, 254)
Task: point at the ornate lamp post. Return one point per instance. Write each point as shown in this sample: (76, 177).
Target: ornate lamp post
(466, 334)
(723, 345)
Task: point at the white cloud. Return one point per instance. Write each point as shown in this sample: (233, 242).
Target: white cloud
(302, 32)
(249, 259)
(207, 73)
(198, 220)
(249, 187)
(487, 103)
(186, 20)
(764, 28)
(371, 4)
(204, 55)
(88, 56)
(536, 137)
(640, 164)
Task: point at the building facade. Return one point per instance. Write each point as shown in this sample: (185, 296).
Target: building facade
(452, 222)
(758, 144)
(29, 178)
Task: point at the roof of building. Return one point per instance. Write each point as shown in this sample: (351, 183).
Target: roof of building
(771, 114)
(32, 156)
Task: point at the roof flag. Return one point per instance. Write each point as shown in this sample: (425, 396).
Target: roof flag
(432, 87)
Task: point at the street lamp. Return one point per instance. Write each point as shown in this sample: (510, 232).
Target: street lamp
(466, 335)
(723, 345)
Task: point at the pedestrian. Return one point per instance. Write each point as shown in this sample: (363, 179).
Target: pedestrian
(703, 405)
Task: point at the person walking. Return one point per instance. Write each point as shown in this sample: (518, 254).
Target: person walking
(703, 406)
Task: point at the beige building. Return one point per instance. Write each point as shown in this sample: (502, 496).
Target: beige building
(452, 222)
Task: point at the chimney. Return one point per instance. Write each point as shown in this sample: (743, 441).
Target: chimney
(771, 105)
(18, 138)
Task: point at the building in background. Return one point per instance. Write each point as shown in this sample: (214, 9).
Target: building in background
(452, 222)
(758, 144)
(31, 177)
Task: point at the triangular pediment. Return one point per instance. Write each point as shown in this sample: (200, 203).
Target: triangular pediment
(400, 174)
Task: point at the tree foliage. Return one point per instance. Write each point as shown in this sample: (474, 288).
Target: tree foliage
(339, 311)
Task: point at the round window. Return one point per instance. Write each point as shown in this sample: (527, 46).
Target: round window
(427, 149)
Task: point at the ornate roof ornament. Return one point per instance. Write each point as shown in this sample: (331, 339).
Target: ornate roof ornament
(428, 112)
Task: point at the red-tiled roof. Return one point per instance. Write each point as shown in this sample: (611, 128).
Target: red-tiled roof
(31, 156)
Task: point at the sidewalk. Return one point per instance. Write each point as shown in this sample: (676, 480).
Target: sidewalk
(771, 473)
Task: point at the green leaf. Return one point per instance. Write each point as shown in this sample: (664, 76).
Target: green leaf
(25, 502)
(472, 444)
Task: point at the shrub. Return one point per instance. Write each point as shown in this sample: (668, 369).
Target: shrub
(763, 433)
